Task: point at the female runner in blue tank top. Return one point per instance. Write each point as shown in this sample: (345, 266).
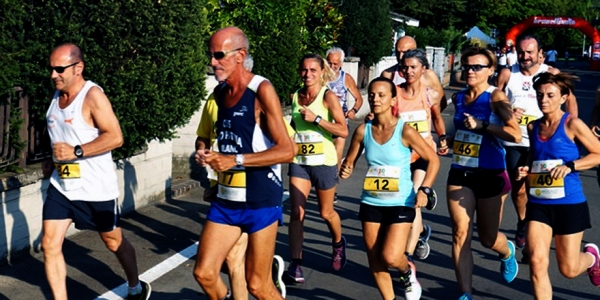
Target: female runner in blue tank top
(388, 200)
(556, 204)
(477, 181)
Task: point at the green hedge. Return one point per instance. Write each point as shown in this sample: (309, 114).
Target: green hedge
(149, 56)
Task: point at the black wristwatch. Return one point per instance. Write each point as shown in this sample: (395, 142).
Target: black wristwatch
(317, 120)
(355, 110)
(427, 190)
(78, 151)
(570, 165)
(485, 124)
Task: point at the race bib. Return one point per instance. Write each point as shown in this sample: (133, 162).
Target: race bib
(526, 119)
(466, 148)
(382, 181)
(232, 185)
(417, 120)
(310, 148)
(541, 184)
(68, 171)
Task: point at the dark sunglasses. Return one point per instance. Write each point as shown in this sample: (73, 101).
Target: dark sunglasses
(61, 69)
(475, 68)
(221, 54)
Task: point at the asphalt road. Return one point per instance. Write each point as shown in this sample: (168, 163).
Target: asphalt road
(162, 230)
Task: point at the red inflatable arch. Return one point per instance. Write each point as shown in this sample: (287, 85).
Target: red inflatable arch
(561, 22)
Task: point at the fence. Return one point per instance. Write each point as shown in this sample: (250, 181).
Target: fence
(30, 134)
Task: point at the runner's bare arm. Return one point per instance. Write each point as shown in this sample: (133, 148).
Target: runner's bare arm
(501, 107)
(411, 138)
(353, 89)
(338, 127)
(579, 131)
(502, 79)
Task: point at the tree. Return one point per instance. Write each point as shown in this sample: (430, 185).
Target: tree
(367, 29)
(147, 55)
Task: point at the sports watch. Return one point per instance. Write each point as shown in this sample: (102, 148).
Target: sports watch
(239, 160)
(78, 151)
(317, 120)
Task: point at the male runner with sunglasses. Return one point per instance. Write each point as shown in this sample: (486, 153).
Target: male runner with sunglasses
(252, 142)
(517, 84)
(83, 185)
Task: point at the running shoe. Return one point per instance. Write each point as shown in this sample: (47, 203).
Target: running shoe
(432, 201)
(509, 268)
(144, 294)
(593, 271)
(335, 198)
(294, 274)
(466, 296)
(422, 250)
(277, 273)
(520, 235)
(338, 256)
(410, 284)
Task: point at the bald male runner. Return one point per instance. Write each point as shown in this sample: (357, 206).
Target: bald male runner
(429, 78)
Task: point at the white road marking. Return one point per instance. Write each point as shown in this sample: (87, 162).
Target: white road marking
(154, 273)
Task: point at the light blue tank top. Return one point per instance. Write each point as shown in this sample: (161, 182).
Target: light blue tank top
(388, 180)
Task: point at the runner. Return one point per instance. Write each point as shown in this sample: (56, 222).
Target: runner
(429, 78)
(251, 145)
(418, 108)
(477, 181)
(557, 206)
(83, 185)
(517, 84)
(343, 84)
(207, 134)
(388, 202)
(317, 115)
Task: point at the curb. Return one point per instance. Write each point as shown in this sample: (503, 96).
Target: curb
(184, 187)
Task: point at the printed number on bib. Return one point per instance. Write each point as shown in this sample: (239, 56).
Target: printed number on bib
(233, 179)
(526, 119)
(466, 148)
(310, 148)
(382, 179)
(68, 171)
(541, 184)
(232, 185)
(417, 120)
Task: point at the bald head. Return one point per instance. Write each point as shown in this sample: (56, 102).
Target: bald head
(232, 36)
(404, 44)
(70, 50)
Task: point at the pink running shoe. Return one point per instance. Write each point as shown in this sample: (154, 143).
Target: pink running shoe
(594, 271)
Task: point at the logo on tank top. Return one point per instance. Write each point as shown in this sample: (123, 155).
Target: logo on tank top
(69, 121)
(51, 121)
(241, 112)
(526, 85)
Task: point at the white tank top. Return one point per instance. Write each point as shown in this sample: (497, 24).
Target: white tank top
(396, 78)
(89, 178)
(520, 93)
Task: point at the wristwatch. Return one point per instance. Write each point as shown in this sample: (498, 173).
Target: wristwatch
(78, 151)
(485, 124)
(239, 160)
(317, 120)
(427, 190)
(355, 110)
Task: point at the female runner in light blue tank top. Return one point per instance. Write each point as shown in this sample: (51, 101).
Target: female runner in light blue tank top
(388, 199)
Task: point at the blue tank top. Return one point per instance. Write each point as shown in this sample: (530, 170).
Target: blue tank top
(238, 133)
(476, 149)
(338, 87)
(557, 150)
(388, 180)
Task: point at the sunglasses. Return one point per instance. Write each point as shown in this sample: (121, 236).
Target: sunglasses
(221, 54)
(61, 69)
(474, 68)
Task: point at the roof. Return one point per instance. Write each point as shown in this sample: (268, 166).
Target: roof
(396, 17)
(475, 32)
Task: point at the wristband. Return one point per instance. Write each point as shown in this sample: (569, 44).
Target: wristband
(355, 110)
(570, 165)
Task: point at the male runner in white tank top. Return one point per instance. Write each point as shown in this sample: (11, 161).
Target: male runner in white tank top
(516, 82)
(83, 186)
